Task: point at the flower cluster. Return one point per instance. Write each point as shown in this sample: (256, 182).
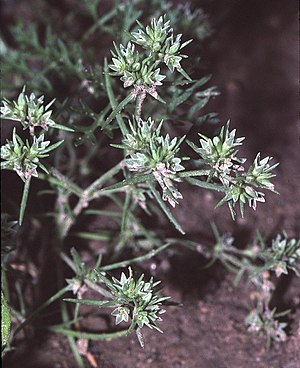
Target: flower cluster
(149, 151)
(141, 69)
(260, 172)
(262, 318)
(30, 111)
(158, 38)
(128, 64)
(220, 154)
(24, 158)
(283, 255)
(135, 300)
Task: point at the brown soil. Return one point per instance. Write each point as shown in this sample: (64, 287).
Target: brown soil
(253, 58)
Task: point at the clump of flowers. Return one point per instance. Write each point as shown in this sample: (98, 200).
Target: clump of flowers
(284, 255)
(24, 158)
(258, 262)
(150, 152)
(30, 111)
(220, 154)
(142, 69)
(263, 318)
(136, 301)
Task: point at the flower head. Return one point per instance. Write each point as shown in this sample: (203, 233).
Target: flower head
(149, 151)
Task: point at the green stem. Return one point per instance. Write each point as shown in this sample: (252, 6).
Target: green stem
(125, 211)
(20, 298)
(71, 339)
(115, 107)
(89, 335)
(146, 256)
(86, 196)
(98, 24)
(116, 114)
(4, 283)
(133, 218)
(24, 200)
(185, 174)
(165, 208)
(41, 307)
(61, 181)
(205, 185)
(100, 181)
(142, 178)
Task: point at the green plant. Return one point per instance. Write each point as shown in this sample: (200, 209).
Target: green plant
(5, 321)
(116, 146)
(257, 262)
(132, 300)
(220, 155)
(24, 157)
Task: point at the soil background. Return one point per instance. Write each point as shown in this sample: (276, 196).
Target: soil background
(253, 56)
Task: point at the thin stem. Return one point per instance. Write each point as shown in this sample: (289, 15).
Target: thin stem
(115, 107)
(100, 181)
(87, 195)
(142, 229)
(61, 181)
(185, 174)
(20, 298)
(24, 200)
(165, 208)
(42, 307)
(146, 256)
(116, 113)
(142, 178)
(125, 211)
(205, 185)
(71, 339)
(139, 103)
(89, 335)
(98, 288)
(99, 23)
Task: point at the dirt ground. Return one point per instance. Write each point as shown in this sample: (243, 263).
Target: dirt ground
(253, 57)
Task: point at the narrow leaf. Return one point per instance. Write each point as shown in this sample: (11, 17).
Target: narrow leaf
(97, 303)
(145, 178)
(165, 208)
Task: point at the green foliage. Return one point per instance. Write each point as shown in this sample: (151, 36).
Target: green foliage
(220, 154)
(284, 255)
(64, 64)
(142, 70)
(150, 152)
(158, 39)
(24, 158)
(258, 262)
(29, 111)
(262, 319)
(138, 300)
(5, 321)
(133, 300)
